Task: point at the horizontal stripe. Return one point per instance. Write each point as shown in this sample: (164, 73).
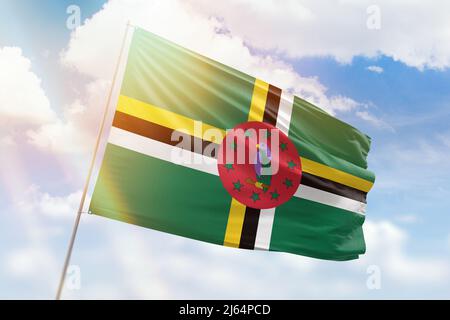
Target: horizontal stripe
(163, 134)
(152, 193)
(139, 189)
(263, 235)
(315, 153)
(202, 163)
(174, 121)
(336, 175)
(330, 199)
(333, 187)
(234, 224)
(162, 151)
(285, 112)
(163, 117)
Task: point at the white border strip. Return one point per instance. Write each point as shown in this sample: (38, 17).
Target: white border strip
(267, 216)
(163, 151)
(330, 199)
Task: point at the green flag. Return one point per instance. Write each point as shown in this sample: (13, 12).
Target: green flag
(170, 95)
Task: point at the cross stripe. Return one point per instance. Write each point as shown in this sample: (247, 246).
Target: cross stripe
(238, 212)
(282, 121)
(252, 216)
(285, 112)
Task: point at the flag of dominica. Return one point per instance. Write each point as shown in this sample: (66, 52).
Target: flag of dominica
(165, 167)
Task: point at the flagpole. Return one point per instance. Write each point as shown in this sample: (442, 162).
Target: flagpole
(91, 168)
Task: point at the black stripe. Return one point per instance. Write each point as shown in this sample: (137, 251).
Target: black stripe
(333, 187)
(272, 105)
(249, 228)
(251, 218)
(163, 134)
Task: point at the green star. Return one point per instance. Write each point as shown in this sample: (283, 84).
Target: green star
(283, 146)
(291, 164)
(233, 145)
(255, 196)
(229, 167)
(237, 185)
(248, 133)
(275, 195)
(288, 183)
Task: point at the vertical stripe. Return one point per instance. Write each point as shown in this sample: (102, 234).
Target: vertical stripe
(237, 210)
(252, 216)
(258, 112)
(264, 231)
(285, 112)
(258, 101)
(272, 105)
(234, 224)
(282, 121)
(249, 228)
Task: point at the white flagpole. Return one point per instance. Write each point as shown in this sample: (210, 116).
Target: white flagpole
(91, 167)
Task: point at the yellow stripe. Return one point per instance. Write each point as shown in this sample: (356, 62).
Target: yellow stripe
(237, 210)
(336, 175)
(258, 101)
(234, 225)
(164, 117)
(175, 121)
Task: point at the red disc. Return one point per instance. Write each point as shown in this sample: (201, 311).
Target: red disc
(258, 165)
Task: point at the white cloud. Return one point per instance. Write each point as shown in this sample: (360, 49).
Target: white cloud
(22, 99)
(416, 163)
(386, 245)
(7, 141)
(407, 218)
(317, 28)
(158, 265)
(41, 223)
(373, 120)
(33, 262)
(75, 131)
(35, 202)
(179, 22)
(376, 69)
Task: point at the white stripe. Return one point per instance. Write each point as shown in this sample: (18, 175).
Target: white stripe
(163, 151)
(330, 199)
(264, 232)
(266, 217)
(285, 112)
(205, 164)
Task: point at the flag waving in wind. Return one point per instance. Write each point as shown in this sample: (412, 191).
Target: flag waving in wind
(169, 162)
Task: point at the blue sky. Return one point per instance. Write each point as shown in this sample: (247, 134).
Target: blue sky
(404, 108)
